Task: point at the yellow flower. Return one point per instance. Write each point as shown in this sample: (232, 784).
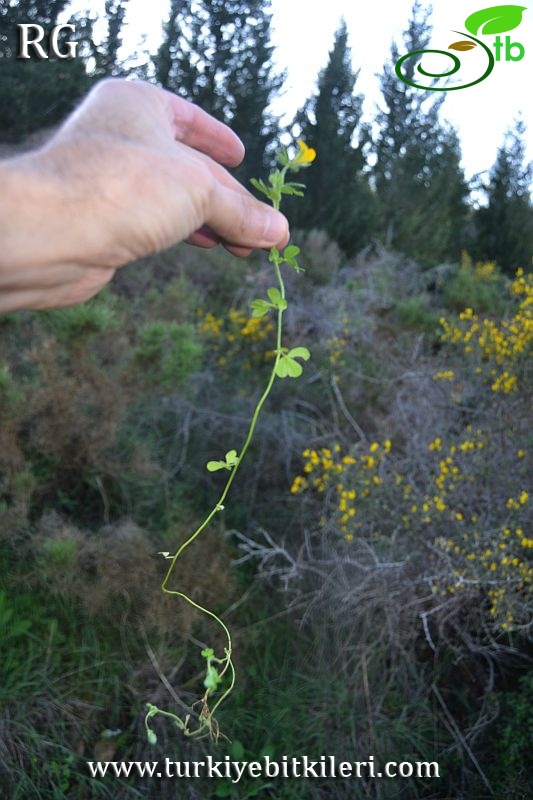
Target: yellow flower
(305, 154)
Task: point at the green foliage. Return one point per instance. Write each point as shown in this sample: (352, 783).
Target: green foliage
(475, 287)
(59, 553)
(504, 227)
(98, 315)
(231, 460)
(415, 313)
(512, 739)
(105, 55)
(285, 364)
(9, 391)
(419, 181)
(288, 366)
(35, 94)
(338, 197)
(218, 54)
(168, 352)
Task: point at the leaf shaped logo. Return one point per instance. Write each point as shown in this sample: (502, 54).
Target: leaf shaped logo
(462, 45)
(496, 19)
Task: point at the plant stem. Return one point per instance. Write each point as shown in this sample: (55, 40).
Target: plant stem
(276, 260)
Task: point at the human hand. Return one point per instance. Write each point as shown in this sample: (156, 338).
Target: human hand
(133, 170)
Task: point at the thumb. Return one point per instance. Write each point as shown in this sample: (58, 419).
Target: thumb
(238, 218)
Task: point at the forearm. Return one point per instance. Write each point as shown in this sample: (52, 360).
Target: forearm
(44, 235)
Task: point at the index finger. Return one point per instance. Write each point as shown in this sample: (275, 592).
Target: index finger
(195, 127)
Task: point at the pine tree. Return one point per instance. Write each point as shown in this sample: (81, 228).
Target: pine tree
(217, 53)
(420, 184)
(337, 196)
(34, 93)
(504, 227)
(106, 54)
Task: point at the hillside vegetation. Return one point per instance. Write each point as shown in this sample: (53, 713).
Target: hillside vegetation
(373, 559)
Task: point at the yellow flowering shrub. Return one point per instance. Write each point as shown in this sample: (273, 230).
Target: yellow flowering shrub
(354, 479)
(498, 350)
(476, 538)
(236, 333)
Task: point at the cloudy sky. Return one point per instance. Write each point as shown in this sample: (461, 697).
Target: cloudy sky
(303, 34)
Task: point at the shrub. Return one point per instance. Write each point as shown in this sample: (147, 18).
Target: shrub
(168, 353)
(479, 287)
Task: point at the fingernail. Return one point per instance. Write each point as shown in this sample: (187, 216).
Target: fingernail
(276, 227)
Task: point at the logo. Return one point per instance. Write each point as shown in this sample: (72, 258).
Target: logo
(487, 21)
(25, 42)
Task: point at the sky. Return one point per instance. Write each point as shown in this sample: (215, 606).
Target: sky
(303, 34)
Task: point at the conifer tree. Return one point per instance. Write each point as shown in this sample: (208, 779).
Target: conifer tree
(34, 93)
(504, 227)
(420, 184)
(106, 54)
(337, 196)
(217, 53)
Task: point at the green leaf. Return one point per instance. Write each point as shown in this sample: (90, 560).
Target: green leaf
(496, 19)
(276, 180)
(299, 352)
(212, 678)
(207, 653)
(289, 254)
(236, 750)
(291, 251)
(261, 187)
(274, 295)
(231, 458)
(260, 307)
(213, 466)
(293, 368)
(283, 157)
(290, 188)
(152, 738)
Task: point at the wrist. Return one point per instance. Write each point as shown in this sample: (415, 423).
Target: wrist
(32, 214)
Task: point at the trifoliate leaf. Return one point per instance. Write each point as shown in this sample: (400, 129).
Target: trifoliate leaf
(274, 295)
(260, 307)
(289, 254)
(291, 251)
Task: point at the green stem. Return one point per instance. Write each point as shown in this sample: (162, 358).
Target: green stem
(276, 260)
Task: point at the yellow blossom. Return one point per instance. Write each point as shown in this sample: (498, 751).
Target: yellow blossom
(305, 154)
